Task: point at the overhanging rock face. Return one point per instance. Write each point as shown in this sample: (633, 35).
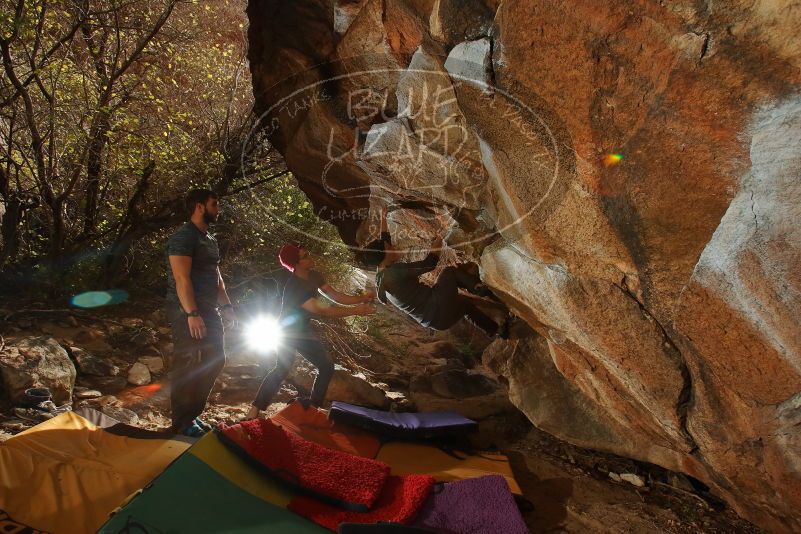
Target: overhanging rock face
(627, 174)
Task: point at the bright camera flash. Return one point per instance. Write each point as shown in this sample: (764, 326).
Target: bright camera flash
(263, 334)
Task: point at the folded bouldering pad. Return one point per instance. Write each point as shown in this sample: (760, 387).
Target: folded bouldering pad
(329, 475)
(472, 506)
(312, 424)
(190, 496)
(408, 458)
(67, 474)
(236, 470)
(400, 501)
(403, 425)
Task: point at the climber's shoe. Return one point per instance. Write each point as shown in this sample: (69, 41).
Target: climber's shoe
(50, 407)
(203, 424)
(193, 431)
(33, 397)
(32, 414)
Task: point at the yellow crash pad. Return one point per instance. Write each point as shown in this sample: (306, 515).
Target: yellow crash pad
(236, 470)
(68, 475)
(414, 458)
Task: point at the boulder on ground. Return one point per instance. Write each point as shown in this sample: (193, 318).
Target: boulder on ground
(473, 394)
(355, 389)
(345, 386)
(89, 364)
(458, 383)
(106, 384)
(139, 374)
(37, 362)
(155, 364)
(88, 394)
(144, 337)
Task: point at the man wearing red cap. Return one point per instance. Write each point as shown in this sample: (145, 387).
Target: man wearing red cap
(301, 301)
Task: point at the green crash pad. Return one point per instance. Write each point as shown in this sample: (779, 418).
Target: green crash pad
(189, 496)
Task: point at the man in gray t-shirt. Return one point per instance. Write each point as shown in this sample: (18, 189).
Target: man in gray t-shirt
(196, 289)
(201, 246)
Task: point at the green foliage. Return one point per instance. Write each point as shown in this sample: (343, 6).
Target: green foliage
(256, 223)
(126, 84)
(110, 91)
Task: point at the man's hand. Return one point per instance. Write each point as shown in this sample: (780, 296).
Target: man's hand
(365, 309)
(229, 317)
(197, 327)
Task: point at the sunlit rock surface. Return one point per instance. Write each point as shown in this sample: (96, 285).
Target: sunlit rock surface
(627, 174)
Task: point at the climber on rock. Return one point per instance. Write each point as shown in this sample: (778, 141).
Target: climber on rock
(302, 299)
(439, 306)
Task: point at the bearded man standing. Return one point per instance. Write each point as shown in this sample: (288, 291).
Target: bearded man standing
(195, 299)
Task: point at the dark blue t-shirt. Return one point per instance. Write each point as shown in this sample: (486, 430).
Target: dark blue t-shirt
(296, 292)
(188, 240)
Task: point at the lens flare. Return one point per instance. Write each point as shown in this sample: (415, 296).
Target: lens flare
(96, 299)
(264, 334)
(147, 391)
(612, 159)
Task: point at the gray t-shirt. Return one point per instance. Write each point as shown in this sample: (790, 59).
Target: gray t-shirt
(188, 240)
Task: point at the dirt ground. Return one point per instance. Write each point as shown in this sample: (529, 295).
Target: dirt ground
(569, 489)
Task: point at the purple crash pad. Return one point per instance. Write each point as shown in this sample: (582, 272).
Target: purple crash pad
(472, 506)
(402, 425)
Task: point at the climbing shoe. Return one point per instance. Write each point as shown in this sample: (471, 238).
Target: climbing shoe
(202, 424)
(32, 414)
(50, 407)
(38, 400)
(34, 396)
(193, 431)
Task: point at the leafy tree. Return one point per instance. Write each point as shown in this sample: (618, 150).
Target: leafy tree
(109, 111)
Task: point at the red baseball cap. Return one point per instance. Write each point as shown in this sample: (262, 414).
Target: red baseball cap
(289, 256)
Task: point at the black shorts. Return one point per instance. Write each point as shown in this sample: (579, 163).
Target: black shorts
(446, 306)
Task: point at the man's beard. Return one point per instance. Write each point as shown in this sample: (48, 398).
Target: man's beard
(208, 218)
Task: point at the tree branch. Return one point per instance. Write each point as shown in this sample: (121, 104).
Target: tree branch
(257, 183)
(134, 55)
(30, 116)
(32, 75)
